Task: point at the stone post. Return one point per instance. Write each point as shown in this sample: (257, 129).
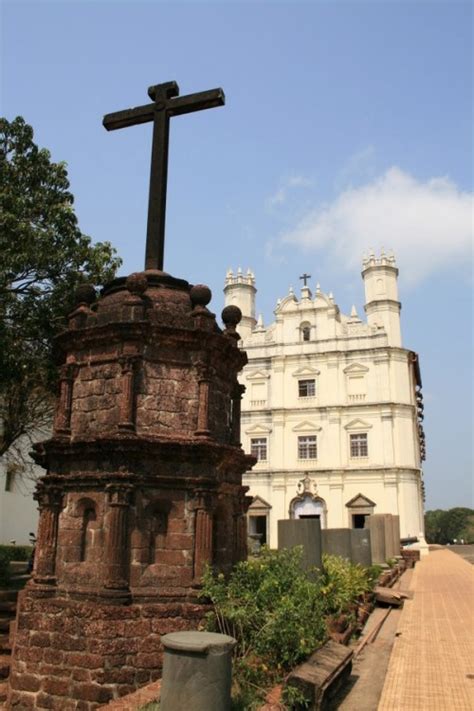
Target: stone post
(127, 401)
(116, 541)
(197, 671)
(50, 501)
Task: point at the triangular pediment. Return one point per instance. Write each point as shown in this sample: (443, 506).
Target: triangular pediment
(258, 429)
(259, 503)
(306, 426)
(360, 501)
(306, 370)
(355, 368)
(357, 424)
(257, 375)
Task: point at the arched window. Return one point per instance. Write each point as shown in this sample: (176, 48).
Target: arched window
(156, 515)
(305, 330)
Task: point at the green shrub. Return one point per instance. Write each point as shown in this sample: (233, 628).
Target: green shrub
(343, 583)
(274, 612)
(8, 553)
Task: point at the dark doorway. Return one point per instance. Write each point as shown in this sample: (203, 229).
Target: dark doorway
(258, 525)
(358, 520)
(310, 516)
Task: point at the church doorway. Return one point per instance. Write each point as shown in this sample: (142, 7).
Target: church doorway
(309, 507)
(358, 520)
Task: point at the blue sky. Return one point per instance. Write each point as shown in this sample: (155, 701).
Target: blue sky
(347, 126)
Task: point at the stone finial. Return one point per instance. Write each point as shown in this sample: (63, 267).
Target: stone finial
(354, 312)
(137, 283)
(231, 316)
(200, 295)
(84, 294)
(318, 288)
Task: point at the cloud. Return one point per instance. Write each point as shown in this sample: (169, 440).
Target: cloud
(280, 196)
(429, 225)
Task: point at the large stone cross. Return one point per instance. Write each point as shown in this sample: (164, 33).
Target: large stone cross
(305, 277)
(167, 102)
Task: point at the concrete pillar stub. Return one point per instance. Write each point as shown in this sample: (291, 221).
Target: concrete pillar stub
(197, 671)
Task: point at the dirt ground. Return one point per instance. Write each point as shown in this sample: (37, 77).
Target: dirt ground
(466, 552)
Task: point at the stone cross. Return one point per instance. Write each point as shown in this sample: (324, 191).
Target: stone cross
(166, 103)
(305, 277)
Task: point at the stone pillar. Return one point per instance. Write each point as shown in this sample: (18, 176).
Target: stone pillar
(236, 407)
(304, 532)
(50, 501)
(127, 401)
(376, 523)
(337, 541)
(116, 544)
(197, 671)
(62, 423)
(202, 541)
(204, 382)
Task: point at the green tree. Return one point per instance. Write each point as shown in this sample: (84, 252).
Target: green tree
(445, 526)
(44, 256)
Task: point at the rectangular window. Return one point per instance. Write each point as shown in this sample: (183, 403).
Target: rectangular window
(359, 446)
(307, 447)
(306, 388)
(258, 448)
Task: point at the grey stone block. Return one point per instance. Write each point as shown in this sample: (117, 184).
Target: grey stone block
(337, 541)
(376, 524)
(304, 532)
(197, 671)
(361, 547)
(396, 535)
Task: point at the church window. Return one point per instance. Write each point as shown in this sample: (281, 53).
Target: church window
(359, 446)
(9, 479)
(258, 448)
(306, 333)
(307, 447)
(306, 388)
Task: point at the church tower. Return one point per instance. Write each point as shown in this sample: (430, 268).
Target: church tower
(381, 295)
(239, 290)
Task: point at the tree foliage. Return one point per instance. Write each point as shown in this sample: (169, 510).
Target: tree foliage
(44, 256)
(445, 526)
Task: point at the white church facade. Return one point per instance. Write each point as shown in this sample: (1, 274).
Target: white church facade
(332, 407)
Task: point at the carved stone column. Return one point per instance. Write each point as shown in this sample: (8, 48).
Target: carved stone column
(68, 372)
(116, 545)
(50, 504)
(236, 406)
(204, 381)
(127, 400)
(203, 538)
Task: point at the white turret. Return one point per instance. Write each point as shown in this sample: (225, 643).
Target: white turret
(381, 295)
(239, 290)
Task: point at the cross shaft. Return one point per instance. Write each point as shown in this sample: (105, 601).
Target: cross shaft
(166, 103)
(305, 277)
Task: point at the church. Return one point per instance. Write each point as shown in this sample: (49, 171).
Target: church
(332, 408)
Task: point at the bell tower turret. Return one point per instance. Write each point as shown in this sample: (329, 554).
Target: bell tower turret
(239, 290)
(381, 295)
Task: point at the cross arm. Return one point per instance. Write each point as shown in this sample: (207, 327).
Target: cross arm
(196, 102)
(129, 117)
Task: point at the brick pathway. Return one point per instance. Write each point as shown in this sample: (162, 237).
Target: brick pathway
(432, 663)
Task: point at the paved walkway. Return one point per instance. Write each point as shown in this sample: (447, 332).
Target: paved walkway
(432, 663)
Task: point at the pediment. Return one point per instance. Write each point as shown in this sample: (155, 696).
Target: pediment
(306, 426)
(257, 375)
(306, 370)
(259, 503)
(357, 424)
(321, 301)
(355, 368)
(258, 429)
(288, 303)
(360, 501)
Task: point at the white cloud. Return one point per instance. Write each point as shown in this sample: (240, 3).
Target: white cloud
(429, 224)
(280, 196)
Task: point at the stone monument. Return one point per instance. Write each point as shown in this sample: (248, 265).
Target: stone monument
(143, 482)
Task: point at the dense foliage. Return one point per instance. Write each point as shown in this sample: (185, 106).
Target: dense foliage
(44, 256)
(447, 526)
(277, 614)
(8, 553)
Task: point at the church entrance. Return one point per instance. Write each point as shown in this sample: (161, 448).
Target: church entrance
(309, 507)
